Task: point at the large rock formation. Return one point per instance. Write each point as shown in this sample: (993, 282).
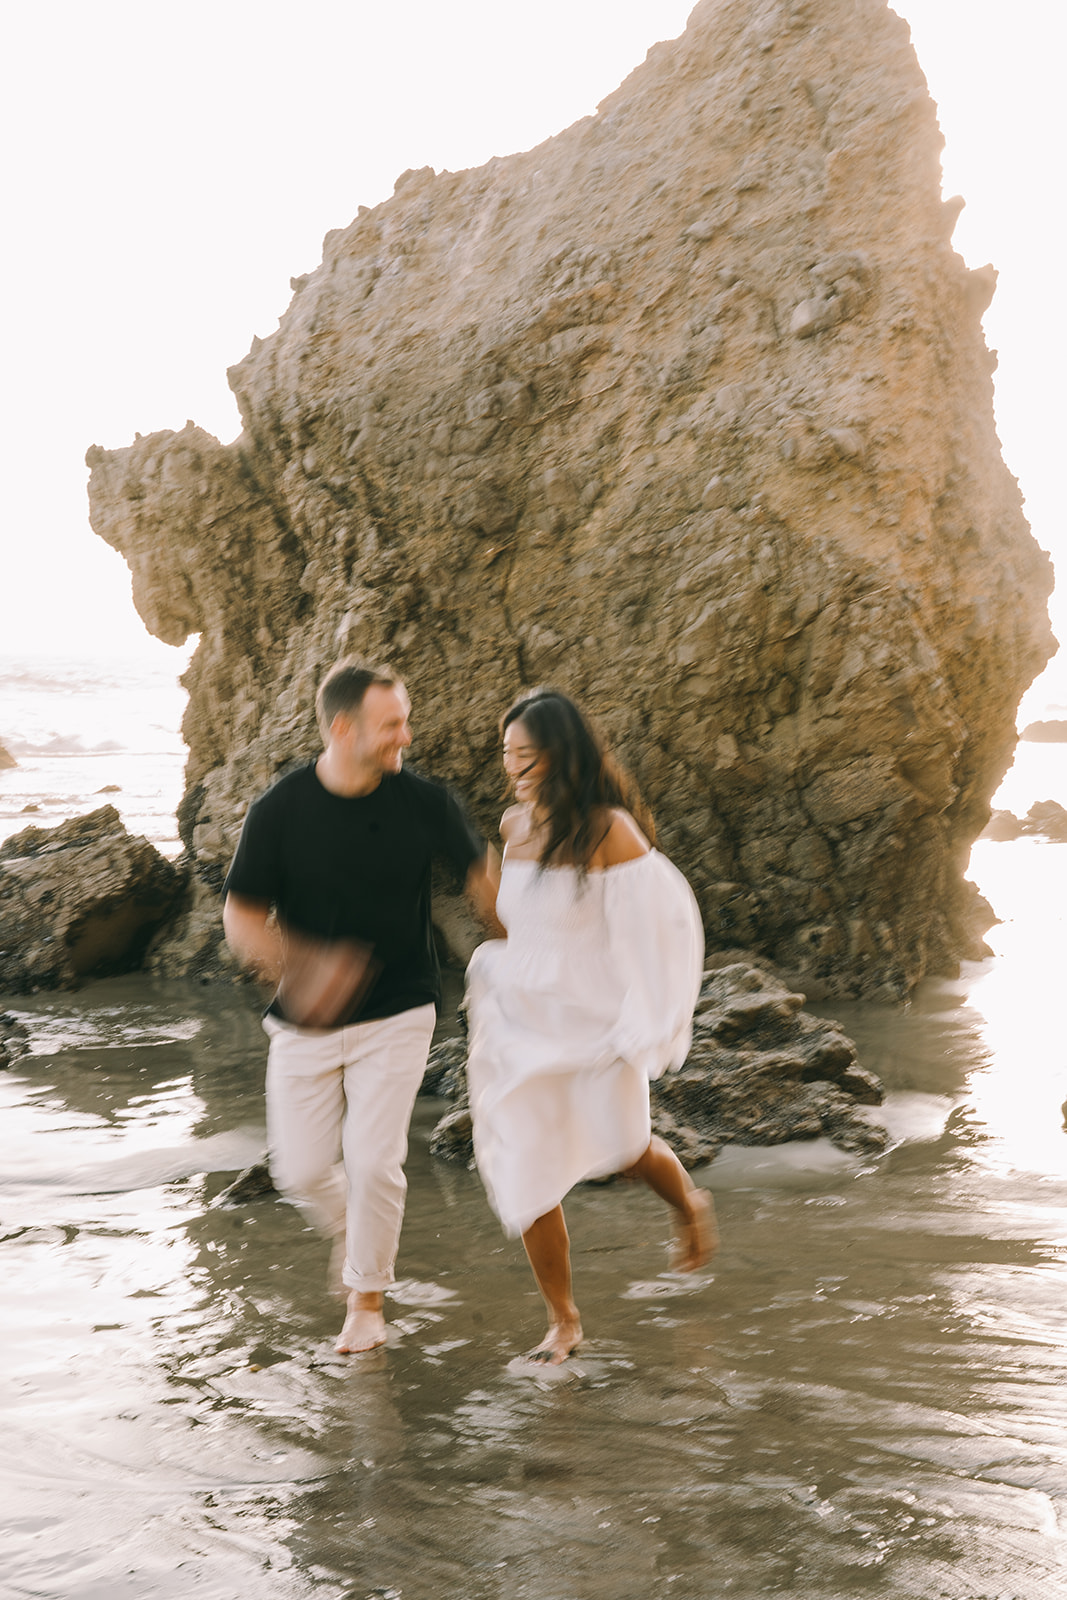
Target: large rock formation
(687, 410)
(80, 900)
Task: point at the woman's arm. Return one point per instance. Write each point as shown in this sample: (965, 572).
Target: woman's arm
(483, 881)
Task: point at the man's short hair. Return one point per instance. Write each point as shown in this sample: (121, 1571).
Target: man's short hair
(344, 687)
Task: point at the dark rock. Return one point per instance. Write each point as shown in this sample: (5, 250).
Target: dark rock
(692, 1148)
(761, 1070)
(446, 1070)
(254, 1183)
(452, 1139)
(13, 1039)
(7, 760)
(79, 900)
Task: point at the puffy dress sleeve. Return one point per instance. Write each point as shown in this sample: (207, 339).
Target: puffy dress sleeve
(657, 950)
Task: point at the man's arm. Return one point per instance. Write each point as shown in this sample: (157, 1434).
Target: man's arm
(253, 936)
(317, 980)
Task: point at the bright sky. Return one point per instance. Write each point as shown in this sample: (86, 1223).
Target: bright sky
(172, 167)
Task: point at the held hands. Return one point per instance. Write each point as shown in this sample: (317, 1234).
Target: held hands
(322, 979)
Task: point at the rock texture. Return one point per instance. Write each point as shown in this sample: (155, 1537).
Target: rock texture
(7, 760)
(761, 1071)
(688, 410)
(79, 900)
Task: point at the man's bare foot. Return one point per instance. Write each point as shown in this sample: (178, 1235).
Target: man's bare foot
(364, 1327)
(697, 1233)
(561, 1341)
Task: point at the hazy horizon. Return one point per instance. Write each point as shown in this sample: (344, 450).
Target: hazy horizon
(165, 192)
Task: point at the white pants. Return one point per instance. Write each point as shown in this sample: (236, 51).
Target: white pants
(339, 1101)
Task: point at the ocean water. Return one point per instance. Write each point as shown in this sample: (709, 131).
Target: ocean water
(93, 733)
(863, 1396)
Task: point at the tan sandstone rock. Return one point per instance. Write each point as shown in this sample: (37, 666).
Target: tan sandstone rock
(687, 410)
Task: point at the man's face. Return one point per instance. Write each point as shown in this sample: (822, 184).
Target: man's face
(379, 733)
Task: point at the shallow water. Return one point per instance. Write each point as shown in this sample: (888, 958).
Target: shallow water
(866, 1394)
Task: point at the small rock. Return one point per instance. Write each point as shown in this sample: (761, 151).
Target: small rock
(446, 1070)
(1002, 825)
(1049, 818)
(814, 316)
(254, 1183)
(14, 1039)
(453, 1139)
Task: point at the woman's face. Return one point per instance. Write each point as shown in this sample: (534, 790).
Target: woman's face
(525, 765)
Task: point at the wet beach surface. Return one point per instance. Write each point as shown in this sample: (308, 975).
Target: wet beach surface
(865, 1394)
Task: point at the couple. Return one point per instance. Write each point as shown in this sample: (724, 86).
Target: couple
(588, 993)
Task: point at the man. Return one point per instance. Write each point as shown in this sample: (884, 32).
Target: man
(328, 898)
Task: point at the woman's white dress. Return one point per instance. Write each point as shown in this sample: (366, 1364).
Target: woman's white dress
(590, 996)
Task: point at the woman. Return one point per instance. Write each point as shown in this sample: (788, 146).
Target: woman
(590, 996)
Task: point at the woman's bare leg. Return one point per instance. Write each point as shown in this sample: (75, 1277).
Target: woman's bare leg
(698, 1234)
(549, 1251)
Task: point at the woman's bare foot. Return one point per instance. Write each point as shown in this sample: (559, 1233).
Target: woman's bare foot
(696, 1231)
(561, 1341)
(364, 1327)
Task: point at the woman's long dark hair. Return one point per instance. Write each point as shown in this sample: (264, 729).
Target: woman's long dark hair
(583, 781)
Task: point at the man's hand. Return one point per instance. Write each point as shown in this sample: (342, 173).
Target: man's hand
(323, 979)
(318, 981)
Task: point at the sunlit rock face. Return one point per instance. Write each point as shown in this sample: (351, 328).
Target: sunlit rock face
(688, 411)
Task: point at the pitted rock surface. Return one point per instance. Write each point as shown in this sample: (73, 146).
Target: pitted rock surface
(688, 410)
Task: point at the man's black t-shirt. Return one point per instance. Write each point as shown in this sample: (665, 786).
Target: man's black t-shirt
(358, 867)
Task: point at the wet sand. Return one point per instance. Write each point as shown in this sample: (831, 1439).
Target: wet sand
(865, 1394)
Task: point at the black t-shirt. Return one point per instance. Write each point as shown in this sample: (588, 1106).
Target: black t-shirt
(358, 867)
